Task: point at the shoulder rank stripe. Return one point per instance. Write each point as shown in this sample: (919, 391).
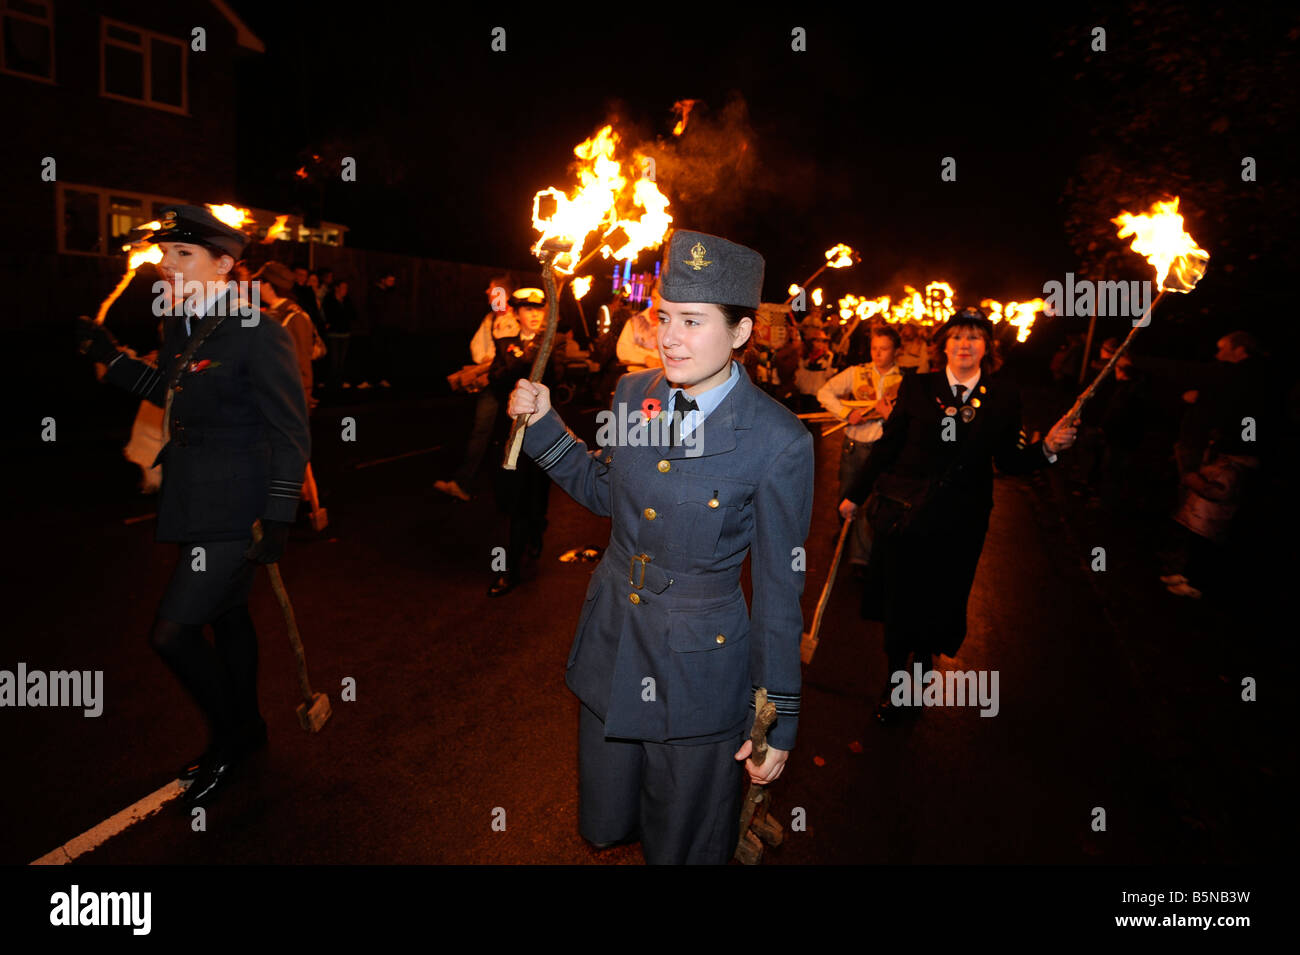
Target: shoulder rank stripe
(551, 456)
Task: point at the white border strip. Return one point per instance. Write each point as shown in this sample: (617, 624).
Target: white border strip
(118, 822)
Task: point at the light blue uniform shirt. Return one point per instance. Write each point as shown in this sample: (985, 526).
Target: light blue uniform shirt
(706, 401)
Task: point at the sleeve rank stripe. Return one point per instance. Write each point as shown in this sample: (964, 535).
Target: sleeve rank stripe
(551, 456)
(147, 379)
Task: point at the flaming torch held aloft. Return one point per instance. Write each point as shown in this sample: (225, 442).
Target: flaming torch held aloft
(839, 257)
(146, 253)
(1178, 261)
(604, 203)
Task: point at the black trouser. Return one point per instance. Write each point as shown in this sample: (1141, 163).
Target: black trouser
(524, 495)
(485, 417)
(220, 676)
(210, 585)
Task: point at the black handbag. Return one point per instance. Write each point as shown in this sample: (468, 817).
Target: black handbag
(900, 505)
(896, 502)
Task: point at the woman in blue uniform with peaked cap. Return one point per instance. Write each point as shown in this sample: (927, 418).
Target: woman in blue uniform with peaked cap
(696, 468)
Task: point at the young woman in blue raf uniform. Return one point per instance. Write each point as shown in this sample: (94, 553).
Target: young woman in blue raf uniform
(667, 655)
(237, 444)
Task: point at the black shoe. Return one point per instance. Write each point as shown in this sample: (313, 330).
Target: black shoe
(213, 774)
(502, 585)
(253, 739)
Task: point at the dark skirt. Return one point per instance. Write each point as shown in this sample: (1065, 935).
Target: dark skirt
(918, 585)
(199, 596)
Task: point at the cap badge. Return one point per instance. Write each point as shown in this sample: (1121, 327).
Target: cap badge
(697, 261)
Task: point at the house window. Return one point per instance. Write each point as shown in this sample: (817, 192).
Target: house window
(142, 67)
(27, 38)
(124, 215)
(97, 221)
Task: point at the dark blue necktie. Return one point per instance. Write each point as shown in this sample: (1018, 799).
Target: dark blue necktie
(682, 405)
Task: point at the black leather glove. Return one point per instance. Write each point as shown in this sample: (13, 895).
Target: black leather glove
(268, 550)
(95, 341)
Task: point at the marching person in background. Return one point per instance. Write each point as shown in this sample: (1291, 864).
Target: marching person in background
(277, 286)
(340, 316)
(324, 284)
(381, 308)
(875, 386)
(1211, 496)
(305, 286)
(237, 446)
(814, 365)
(499, 322)
(667, 656)
(523, 493)
(913, 350)
(638, 343)
(931, 479)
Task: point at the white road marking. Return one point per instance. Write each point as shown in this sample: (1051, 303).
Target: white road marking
(118, 822)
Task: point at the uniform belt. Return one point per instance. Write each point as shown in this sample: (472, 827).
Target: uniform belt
(641, 573)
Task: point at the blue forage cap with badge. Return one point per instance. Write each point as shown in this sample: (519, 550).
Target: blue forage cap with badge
(699, 267)
(197, 224)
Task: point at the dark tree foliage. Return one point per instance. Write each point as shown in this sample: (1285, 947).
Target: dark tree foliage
(1178, 99)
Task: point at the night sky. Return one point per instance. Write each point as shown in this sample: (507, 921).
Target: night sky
(844, 141)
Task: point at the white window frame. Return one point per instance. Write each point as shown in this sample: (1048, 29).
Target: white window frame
(146, 51)
(148, 200)
(48, 21)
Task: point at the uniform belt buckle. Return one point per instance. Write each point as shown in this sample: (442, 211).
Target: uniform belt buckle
(631, 570)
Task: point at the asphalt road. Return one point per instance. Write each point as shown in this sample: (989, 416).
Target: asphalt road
(461, 711)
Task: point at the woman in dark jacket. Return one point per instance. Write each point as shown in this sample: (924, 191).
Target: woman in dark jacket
(524, 493)
(935, 459)
(340, 315)
(237, 444)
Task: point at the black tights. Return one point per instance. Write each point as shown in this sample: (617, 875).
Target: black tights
(897, 660)
(221, 676)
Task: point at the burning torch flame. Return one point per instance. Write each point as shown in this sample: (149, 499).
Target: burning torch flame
(141, 255)
(566, 222)
(277, 231)
(938, 299)
(817, 296)
(1159, 236)
(683, 109)
(1020, 315)
(840, 257)
(581, 285)
(230, 215)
